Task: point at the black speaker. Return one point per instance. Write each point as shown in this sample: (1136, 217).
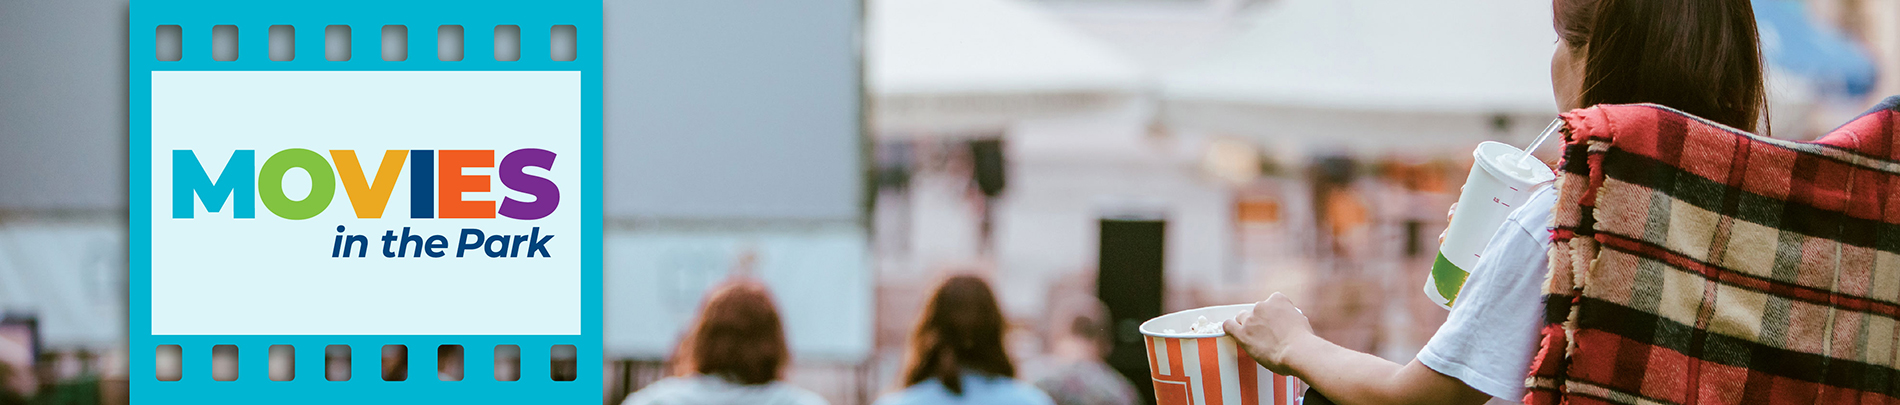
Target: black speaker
(987, 154)
(1129, 281)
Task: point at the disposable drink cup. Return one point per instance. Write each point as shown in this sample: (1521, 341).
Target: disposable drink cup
(1500, 181)
(1208, 368)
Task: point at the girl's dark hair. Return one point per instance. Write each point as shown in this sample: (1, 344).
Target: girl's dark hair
(1702, 57)
(961, 328)
(737, 336)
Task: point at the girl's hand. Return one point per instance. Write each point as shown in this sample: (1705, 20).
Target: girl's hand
(1270, 331)
(1448, 215)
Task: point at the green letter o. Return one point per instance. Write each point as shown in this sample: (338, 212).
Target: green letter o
(270, 184)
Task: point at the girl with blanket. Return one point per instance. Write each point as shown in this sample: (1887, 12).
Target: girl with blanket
(1700, 57)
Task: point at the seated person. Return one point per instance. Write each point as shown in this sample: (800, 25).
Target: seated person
(735, 353)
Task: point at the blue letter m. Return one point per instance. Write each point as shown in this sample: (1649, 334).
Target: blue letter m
(189, 178)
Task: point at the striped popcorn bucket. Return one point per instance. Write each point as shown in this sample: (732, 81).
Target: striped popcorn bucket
(1207, 368)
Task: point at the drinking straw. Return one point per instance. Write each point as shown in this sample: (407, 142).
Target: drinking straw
(1554, 124)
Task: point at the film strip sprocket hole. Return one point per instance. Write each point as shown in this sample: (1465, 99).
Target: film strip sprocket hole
(394, 43)
(365, 201)
(395, 363)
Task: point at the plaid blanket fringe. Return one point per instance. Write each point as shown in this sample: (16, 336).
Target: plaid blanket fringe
(1692, 263)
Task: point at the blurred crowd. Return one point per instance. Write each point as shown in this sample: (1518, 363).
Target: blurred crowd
(735, 353)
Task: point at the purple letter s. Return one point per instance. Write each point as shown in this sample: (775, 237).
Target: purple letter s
(546, 194)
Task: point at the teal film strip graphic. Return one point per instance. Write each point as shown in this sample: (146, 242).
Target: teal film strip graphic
(294, 202)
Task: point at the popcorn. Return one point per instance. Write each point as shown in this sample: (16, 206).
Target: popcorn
(1201, 326)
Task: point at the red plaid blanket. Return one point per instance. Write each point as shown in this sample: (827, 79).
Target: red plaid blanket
(1696, 264)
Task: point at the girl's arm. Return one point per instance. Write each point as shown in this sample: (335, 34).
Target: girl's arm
(1275, 334)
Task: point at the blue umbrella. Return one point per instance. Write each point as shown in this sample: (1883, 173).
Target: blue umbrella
(1793, 42)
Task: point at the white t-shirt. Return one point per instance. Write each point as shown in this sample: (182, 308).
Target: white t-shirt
(1491, 335)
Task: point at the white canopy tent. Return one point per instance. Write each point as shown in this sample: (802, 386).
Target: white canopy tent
(1374, 75)
(948, 66)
